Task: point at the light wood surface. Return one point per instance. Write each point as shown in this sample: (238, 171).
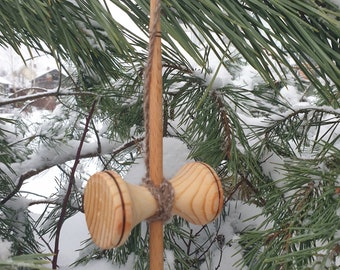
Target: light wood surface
(110, 211)
(113, 207)
(155, 133)
(198, 193)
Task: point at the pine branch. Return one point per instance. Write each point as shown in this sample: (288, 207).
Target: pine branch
(36, 171)
(46, 93)
(19, 184)
(225, 123)
(135, 141)
(79, 209)
(28, 174)
(47, 244)
(69, 189)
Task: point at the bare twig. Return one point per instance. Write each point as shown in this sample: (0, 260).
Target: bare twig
(47, 244)
(20, 181)
(45, 93)
(69, 188)
(54, 203)
(99, 148)
(127, 145)
(225, 122)
(220, 260)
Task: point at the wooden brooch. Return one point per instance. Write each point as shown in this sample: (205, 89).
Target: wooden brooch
(113, 207)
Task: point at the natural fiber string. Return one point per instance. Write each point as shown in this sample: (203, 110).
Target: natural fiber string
(164, 193)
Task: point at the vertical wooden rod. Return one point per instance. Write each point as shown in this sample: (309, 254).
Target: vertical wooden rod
(156, 139)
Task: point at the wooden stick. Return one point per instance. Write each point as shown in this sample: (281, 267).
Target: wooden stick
(156, 139)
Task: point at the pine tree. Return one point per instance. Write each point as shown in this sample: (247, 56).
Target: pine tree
(270, 153)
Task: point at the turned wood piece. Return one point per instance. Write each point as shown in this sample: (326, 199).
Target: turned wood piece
(113, 207)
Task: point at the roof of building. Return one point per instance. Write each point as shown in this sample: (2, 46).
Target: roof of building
(4, 81)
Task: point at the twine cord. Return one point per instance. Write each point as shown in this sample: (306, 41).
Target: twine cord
(164, 193)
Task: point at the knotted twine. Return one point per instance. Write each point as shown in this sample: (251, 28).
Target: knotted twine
(164, 193)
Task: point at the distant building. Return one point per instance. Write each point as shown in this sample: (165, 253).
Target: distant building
(4, 85)
(48, 80)
(40, 84)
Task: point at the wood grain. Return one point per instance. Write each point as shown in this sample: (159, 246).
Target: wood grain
(198, 193)
(110, 211)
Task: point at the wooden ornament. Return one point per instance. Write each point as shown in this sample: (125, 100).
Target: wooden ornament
(113, 207)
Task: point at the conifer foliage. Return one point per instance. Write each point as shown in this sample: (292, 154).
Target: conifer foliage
(273, 135)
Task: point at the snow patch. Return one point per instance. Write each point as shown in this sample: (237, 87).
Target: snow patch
(175, 155)
(5, 249)
(291, 94)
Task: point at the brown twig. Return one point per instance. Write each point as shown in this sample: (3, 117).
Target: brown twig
(45, 93)
(125, 146)
(220, 260)
(21, 180)
(80, 209)
(225, 122)
(69, 188)
(178, 67)
(261, 201)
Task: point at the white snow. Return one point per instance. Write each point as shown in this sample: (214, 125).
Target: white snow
(272, 165)
(4, 81)
(74, 231)
(291, 94)
(175, 155)
(336, 2)
(5, 250)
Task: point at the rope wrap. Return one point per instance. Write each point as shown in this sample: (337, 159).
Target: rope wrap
(164, 195)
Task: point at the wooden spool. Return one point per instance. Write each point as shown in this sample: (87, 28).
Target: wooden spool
(113, 207)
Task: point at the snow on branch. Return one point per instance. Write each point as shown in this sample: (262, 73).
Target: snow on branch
(43, 94)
